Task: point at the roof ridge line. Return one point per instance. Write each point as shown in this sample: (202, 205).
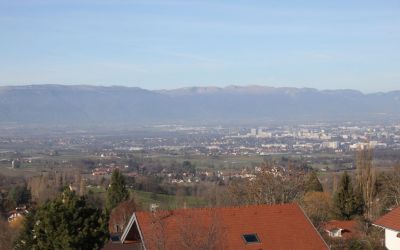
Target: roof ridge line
(225, 207)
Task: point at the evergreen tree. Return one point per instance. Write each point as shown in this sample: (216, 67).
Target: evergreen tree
(313, 184)
(26, 239)
(188, 167)
(17, 196)
(345, 202)
(359, 202)
(117, 191)
(64, 223)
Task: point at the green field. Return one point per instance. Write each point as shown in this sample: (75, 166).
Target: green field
(145, 199)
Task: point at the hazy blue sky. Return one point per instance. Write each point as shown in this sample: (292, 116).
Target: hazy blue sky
(158, 44)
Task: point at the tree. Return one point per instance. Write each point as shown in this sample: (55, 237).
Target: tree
(188, 167)
(117, 191)
(18, 195)
(272, 185)
(366, 179)
(120, 216)
(390, 189)
(237, 192)
(317, 206)
(345, 202)
(26, 239)
(1, 203)
(133, 164)
(49, 185)
(82, 187)
(313, 184)
(64, 223)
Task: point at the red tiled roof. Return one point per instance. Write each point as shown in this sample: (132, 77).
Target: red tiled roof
(342, 224)
(390, 220)
(119, 246)
(277, 227)
(350, 227)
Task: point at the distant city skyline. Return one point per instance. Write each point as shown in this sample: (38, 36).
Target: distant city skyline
(168, 44)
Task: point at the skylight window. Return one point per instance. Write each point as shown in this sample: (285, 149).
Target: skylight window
(251, 238)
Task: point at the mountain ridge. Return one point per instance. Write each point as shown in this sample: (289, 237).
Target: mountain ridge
(88, 104)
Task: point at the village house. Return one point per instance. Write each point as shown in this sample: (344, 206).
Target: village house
(343, 229)
(17, 213)
(391, 223)
(253, 227)
(16, 218)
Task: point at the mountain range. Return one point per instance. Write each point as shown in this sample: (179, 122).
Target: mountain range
(97, 105)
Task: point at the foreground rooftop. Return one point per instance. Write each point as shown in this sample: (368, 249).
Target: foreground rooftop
(246, 227)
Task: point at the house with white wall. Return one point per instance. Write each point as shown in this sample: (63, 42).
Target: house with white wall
(391, 223)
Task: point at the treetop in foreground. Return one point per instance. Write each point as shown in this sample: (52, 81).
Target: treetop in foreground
(64, 223)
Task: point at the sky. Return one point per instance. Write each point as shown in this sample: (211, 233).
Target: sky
(164, 44)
